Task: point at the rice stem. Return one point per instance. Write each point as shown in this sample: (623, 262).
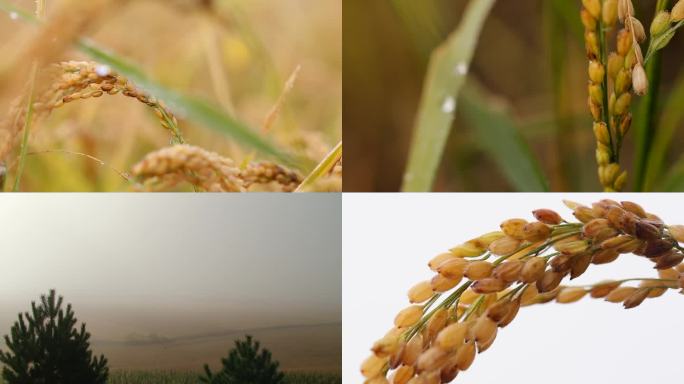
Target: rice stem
(27, 125)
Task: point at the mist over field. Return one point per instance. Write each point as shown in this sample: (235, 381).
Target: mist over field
(168, 282)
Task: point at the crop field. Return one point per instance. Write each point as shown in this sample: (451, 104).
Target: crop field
(182, 95)
(170, 377)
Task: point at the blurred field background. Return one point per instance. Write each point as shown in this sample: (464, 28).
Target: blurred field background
(529, 62)
(132, 377)
(234, 54)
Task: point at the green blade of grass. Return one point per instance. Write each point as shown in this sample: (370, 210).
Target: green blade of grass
(322, 168)
(556, 27)
(567, 10)
(671, 118)
(674, 182)
(498, 135)
(187, 106)
(445, 77)
(23, 150)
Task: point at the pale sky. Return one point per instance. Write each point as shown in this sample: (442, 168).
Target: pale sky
(220, 261)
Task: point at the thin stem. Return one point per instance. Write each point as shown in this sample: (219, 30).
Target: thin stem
(27, 125)
(589, 286)
(476, 305)
(603, 50)
(536, 250)
(513, 291)
(432, 300)
(658, 40)
(444, 304)
(40, 15)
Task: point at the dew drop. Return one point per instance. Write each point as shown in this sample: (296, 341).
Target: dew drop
(449, 105)
(103, 70)
(13, 15)
(461, 69)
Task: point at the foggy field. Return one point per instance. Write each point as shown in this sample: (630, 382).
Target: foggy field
(297, 348)
(142, 377)
(133, 377)
(155, 305)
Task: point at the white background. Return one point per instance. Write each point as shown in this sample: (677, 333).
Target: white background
(389, 238)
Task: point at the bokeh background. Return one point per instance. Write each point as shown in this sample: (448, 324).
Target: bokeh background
(235, 54)
(530, 58)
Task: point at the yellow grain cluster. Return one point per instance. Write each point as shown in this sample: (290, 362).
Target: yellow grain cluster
(448, 322)
(209, 171)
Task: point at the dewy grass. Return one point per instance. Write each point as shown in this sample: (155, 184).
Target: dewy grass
(486, 280)
(446, 75)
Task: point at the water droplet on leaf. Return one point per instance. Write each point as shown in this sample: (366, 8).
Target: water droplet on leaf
(103, 70)
(461, 69)
(449, 105)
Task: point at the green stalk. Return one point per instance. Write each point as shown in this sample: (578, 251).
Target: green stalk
(646, 118)
(565, 178)
(325, 166)
(23, 151)
(603, 50)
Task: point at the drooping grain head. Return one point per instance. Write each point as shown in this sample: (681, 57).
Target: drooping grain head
(434, 340)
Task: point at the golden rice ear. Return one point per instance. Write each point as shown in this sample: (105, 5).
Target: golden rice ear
(402, 375)
(465, 355)
(420, 292)
(639, 79)
(570, 295)
(678, 11)
(408, 316)
(208, 171)
(637, 29)
(636, 298)
(441, 336)
(610, 12)
(677, 232)
(373, 366)
(533, 269)
(478, 270)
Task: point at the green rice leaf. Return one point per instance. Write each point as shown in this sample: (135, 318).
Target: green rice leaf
(499, 136)
(671, 118)
(446, 74)
(675, 179)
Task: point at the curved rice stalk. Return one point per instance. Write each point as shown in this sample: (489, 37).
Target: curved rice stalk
(479, 286)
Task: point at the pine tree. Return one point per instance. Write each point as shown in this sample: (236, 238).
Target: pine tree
(246, 363)
(46, 347)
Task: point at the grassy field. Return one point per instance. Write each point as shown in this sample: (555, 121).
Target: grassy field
(141, 377)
